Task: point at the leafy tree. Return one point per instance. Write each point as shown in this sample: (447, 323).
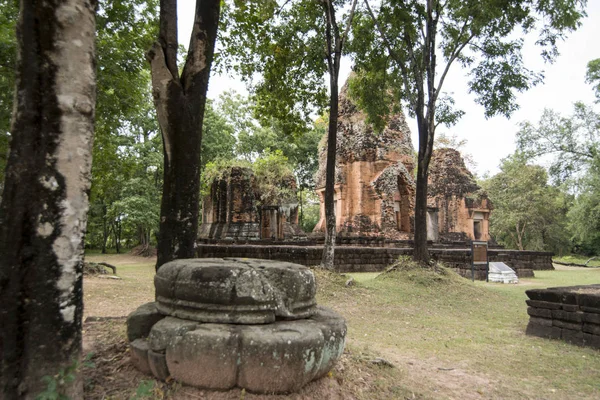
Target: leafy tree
(180, 100)
(593, 76)
(218, 136)
(528, 213)
(45, 199)
(572, 142)
(406, 49)
(287, 39)
(584, 215)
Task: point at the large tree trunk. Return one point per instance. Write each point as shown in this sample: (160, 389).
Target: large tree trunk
(330, 231)
(426, 134)
(180, 103)
(44, 207)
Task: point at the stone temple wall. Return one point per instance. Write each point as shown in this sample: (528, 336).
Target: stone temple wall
(568, 313)
(236, 208)
(375, 259)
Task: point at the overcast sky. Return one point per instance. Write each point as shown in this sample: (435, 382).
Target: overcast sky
(488, 140)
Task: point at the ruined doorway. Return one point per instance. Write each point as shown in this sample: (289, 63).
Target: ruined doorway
(477, 228)
(270, 226)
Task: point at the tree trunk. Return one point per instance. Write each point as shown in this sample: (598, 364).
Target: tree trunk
(105, 228)
(44, 207)
(180, 103)
(421, 254)
(330, 232)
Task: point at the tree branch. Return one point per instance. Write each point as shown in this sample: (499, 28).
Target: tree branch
(454, 54)
(167, 35)
(347, 30)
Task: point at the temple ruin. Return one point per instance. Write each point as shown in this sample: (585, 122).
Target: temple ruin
(239, 207)
(375, 188)
(458, 209)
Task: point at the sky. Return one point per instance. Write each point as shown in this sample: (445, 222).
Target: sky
(488, 140)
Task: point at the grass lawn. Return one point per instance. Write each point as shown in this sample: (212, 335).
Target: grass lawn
(446, 336)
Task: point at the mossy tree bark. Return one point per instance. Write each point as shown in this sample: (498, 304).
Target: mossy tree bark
(44, 206)
(180, 103)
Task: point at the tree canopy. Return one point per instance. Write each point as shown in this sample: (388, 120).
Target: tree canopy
(406, 49)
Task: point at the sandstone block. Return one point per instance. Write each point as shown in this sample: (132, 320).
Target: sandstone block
(550, 332)
(591, 340)
(591, 318)
(158, 365)
(164, 332)
(573, 336)
(539, 312)
(281, 357)
(567, 316)
(591, 328)
(543, 304)
(138, 350)
(242, 291)
(141, 321)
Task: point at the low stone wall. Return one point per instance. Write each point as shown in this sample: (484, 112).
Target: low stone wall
(375, 259)
(569, 313)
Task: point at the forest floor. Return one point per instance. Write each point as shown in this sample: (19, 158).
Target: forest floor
(447, 338)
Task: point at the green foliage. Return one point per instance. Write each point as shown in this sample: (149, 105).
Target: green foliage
(272, 172)
(592, 76)
(275, 178)
(310, 209)
(218, 140)
(57, 384)
(584, 215)
(399, 53)
(528, 213)
(144, 390)
(256, 140)
(282, 42)
(573, 142)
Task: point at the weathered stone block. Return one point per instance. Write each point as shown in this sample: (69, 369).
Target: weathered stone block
(206, 357)
(591, 328)
(141, 321)
(591, 318)
(539, 312)
(573, 336)
(158, 365)
(550, 332)
(566, 325)
(543, 304)
(591, 340)
(540, 321)
(567, 316)
(281, 358)
(243, 291)
(591, 310)
(138, 351)
(165, 331)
